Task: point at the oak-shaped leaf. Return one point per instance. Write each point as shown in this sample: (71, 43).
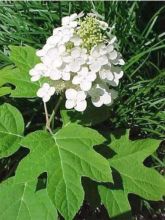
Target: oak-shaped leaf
(24, 59)
(66, 156)
(20, 201)
(136, 177)
(11, 129)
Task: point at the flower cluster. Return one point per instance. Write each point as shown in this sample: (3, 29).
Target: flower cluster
(80, 60)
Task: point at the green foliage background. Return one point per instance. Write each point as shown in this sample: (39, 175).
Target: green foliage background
(139, 27)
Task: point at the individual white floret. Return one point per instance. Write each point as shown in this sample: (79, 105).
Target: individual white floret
(106, 74)
(98, 58)
(45, 92)
(100, 95)
(70, 20)
(118, 74)
(60, 73)
(84, 78)
(54, 57)
(78, 58)
(38, 71)
(75, 99)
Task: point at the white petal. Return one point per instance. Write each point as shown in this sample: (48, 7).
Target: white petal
(46, 98)
(71, 94)
(75, 52)
(67, 59)
(81, 106)
(51, 91)
(74, 67)
(97, 102)
(113, 55)
(40, 93)
(81, 95)
(65, 20)
(46, 86)
(73, 16)
(85, 85)
(110, 76)
(103, 60)
(113, 39)
(110, 48)
(61, 49)
(107, 98)
(55, 75)
(103, 74)
(73, 24)
(121, 62)
(83, 71)
(76, 80)
(66, 76)
(33, 72)
(95, 67)
(76, 40)
(57, 62)
(69, 104)
(40, 53)
(35, 78)
(91, 76)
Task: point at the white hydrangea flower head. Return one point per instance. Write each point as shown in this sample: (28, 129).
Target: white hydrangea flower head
(81, 60)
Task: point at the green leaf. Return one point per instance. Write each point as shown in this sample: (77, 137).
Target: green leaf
(116, 202)
(66, 156)
(91, 116)
(24, 58)
(5, 90)
(11, 129)
(136, 178)
(20, 201)
(21, 80)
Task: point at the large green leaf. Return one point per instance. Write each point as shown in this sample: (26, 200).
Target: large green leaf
(20, 201)
(136, 178)
(116, 202)
(11, 129)
(65, 156)
(24, 59)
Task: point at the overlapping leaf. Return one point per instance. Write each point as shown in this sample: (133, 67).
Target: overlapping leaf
(116, 202)
(136, 178)
(24, 59)
(11, 129)
(66, 157)
(20, 201)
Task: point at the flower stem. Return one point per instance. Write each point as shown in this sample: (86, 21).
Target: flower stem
(47, 118)
(48, 123)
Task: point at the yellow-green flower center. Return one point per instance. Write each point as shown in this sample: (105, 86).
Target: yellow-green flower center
(90, 32)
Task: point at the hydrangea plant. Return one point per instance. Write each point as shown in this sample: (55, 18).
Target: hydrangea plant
(80, 59)
(79, 62)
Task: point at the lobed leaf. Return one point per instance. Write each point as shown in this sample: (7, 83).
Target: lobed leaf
(24, 59)
(66, 157)
(20, 201)
(136, 178)
(11, 129)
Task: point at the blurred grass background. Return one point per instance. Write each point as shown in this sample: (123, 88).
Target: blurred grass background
(140, 29)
